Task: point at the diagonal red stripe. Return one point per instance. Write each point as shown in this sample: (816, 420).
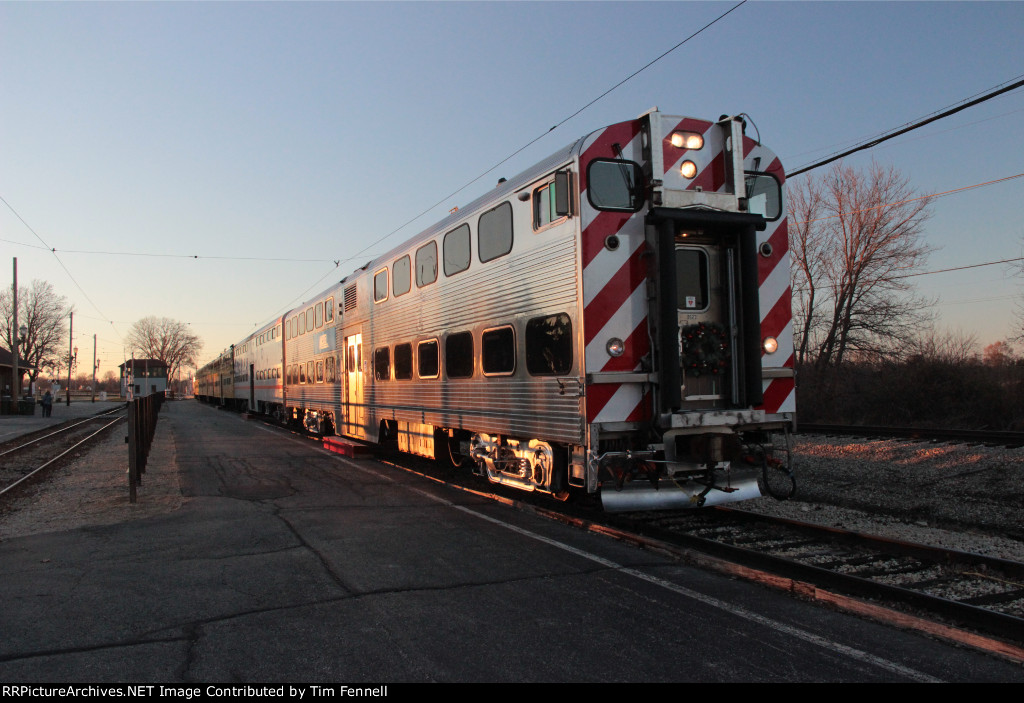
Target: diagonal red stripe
(614, 294)
(642, 411)
(776, 393)
(600, 227)
(712, 178)
(780, 251)
(597, 397)
(638, 344)
(778, 317)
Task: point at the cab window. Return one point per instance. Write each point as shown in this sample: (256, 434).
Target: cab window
(614, 184)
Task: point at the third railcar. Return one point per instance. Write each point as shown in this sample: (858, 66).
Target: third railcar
(615, 319)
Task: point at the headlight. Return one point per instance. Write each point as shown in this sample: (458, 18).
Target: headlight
(687, 140)
(615, 347)
(770, 344)
(688, 169)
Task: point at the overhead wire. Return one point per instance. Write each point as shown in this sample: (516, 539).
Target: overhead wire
(68, 272)
(855, 140)
(908, 200)
(908, 127)
(960, 268)
(530, 143)
(549, 131)
(273, 259)
(801, 289)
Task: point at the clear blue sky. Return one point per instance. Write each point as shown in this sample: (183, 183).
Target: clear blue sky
(301, 133)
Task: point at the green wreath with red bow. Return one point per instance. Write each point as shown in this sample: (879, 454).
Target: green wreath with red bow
(705, 348)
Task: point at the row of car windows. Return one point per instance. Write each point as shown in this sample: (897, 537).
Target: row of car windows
(493, 240)
(322, 370)
(315, 317)
(549, 352)
(268, 336)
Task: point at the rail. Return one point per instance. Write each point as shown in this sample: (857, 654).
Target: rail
(18, 465)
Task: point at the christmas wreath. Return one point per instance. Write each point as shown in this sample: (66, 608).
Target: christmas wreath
(705, 348)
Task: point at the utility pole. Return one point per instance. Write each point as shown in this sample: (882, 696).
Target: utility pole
(15, 376)
(94, 368)
(71, 340)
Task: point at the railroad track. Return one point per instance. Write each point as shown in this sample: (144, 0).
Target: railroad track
(980, 593)
(24, 459)
(972, 592)
(989, 437)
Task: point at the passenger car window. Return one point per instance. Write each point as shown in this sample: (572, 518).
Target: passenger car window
(401, 276)
(426, 264)
(382, 363)
(549, 345)
(458, 355)
(428, 359)
(494, 233)
(403, 362)
(456, 250)
(498, 351)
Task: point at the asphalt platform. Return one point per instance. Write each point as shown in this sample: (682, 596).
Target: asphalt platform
(282, 562)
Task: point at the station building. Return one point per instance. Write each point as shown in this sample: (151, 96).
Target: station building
(142, 377)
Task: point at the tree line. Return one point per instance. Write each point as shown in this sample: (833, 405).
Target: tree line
(865, 347)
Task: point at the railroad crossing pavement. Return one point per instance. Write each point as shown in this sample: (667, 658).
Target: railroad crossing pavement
(287, 563)
(12, 426)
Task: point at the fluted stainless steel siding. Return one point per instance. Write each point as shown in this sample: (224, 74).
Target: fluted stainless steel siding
(538, 278)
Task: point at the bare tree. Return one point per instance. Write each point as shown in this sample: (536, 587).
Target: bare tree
(1017, 269)
(44, 314)
(168, 340)
(855, 235)
(954, 347)
(807, 243)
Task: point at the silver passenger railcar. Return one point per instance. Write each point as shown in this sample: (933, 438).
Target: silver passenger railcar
(615, 318)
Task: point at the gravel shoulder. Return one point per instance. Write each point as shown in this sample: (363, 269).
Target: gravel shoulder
(960, 496)
(92, 490)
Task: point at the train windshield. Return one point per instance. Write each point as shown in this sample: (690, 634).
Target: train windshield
(764, 195)
(615, 185)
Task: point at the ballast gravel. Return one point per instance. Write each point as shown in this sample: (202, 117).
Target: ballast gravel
(958, 496)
